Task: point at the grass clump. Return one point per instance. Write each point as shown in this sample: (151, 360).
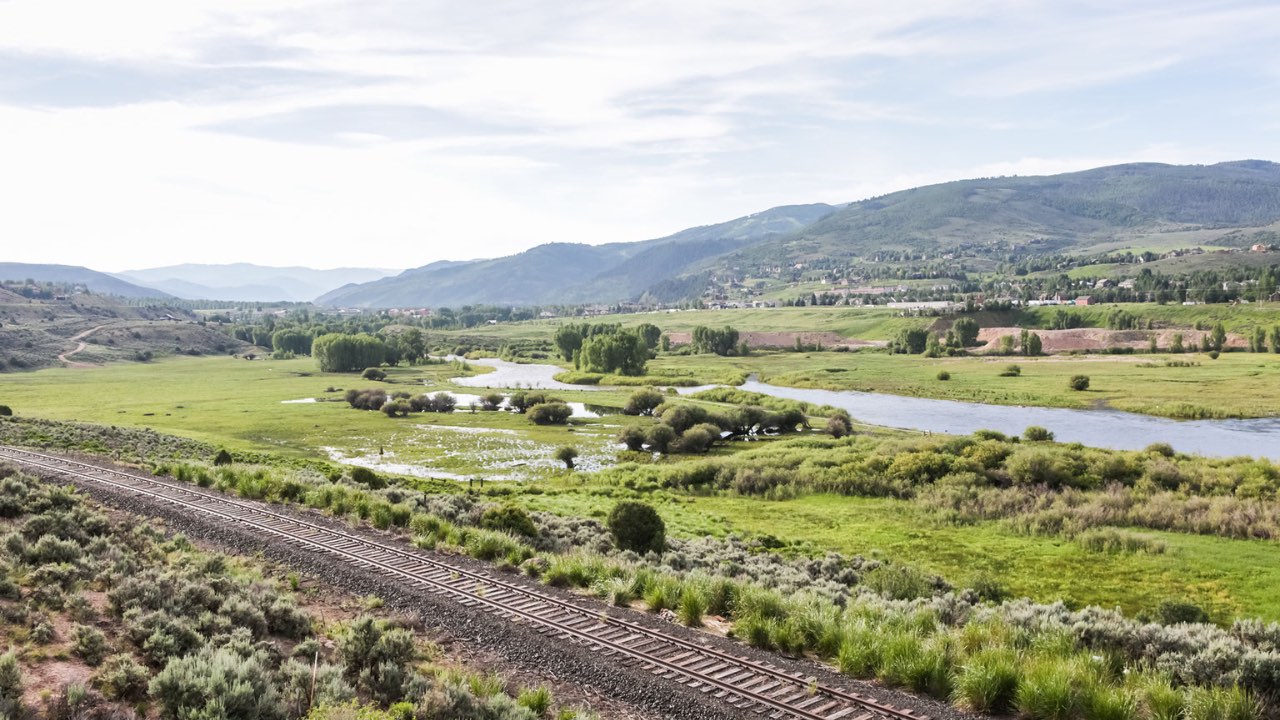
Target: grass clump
(987, 681)
(537, 700)
(693, 605)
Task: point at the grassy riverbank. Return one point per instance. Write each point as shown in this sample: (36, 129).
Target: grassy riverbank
(1180, 386)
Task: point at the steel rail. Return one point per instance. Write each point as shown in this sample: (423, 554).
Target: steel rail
(807, 692)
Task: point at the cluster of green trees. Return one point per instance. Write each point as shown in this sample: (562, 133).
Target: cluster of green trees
(294, 341)
(339, 352)
(962, 334)
(1261, 340)
(608, 348)
(719, 342)
(624, 353)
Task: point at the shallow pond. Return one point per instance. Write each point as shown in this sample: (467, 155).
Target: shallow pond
(517, 375)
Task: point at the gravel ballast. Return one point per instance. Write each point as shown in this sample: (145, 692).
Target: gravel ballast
(517, 643)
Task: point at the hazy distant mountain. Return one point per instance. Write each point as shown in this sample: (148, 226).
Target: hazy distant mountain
(246, 282)
(564, 272)
(73, 274)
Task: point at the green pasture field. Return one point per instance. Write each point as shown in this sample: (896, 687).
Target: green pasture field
(1235, 318)
(1235, 385)
(878, 323)
(1230, 578)
(851, 322)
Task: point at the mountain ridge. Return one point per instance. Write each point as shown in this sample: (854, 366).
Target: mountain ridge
(94, 281)
(1089, 211)
(248, 282)
(555, 273)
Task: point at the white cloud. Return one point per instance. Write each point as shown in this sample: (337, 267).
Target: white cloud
(400, 131)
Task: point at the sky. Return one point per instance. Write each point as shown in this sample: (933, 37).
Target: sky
(393, 133)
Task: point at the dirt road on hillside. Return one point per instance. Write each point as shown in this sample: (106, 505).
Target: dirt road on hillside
(64, 358)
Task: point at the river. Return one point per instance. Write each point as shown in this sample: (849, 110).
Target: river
(1115, 429)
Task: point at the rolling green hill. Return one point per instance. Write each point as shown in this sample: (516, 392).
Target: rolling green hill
(1122, 206)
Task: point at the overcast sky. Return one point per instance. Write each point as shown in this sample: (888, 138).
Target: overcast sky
(393, 133)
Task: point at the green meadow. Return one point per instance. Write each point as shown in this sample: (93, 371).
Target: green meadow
(240, 404)
(1230, 578)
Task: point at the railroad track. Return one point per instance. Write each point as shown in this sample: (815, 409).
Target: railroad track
(750, 686)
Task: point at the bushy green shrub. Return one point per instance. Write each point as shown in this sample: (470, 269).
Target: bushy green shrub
(368, 478)
(637, 526)
(1035, 433)
(566, 455)
(509, 518)
(1037, 466)
(1172, 612)
(633, 436)
(643, 402)
(376, 656)
(372, 399)
(296, 679)
(839, 424)
(10, 685)
(550, 413)
(50, 549)
(43, 632)
(1079, 382)
(89, 644)
(217, 683)
(660, 437)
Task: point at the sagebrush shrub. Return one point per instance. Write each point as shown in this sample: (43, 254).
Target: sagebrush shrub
(120, 677)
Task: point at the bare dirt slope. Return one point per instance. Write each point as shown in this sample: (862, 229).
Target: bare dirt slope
(1099, 339)
(786, 339)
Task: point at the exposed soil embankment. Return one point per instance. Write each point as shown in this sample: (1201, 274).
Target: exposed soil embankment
(1099, 339)
(786, 339)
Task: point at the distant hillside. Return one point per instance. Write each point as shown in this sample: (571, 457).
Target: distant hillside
(1068, 213)
(247, 282)
(563, 272)
(74, 275)
(1138, 207)
(35, 332)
